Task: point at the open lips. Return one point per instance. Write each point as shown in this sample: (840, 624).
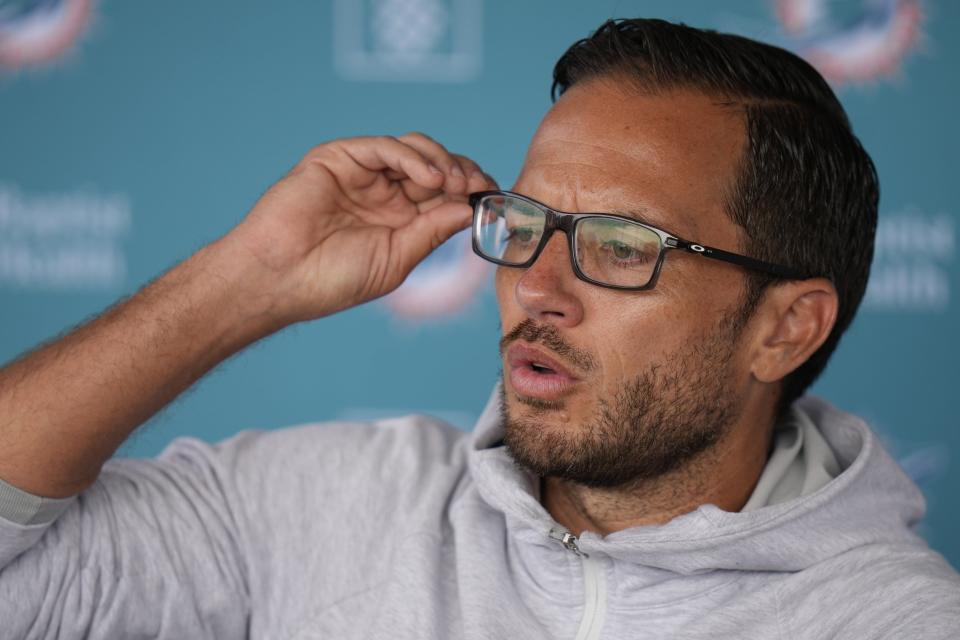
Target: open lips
(535, 374)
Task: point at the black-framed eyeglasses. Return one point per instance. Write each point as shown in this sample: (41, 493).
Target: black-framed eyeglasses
(606, 249)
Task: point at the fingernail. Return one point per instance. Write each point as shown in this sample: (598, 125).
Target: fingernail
(434, 169)
(457, 171)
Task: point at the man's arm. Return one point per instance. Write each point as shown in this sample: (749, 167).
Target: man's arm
(345, 226)
(67, 406)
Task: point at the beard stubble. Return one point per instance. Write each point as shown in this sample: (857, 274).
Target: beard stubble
(656, 422)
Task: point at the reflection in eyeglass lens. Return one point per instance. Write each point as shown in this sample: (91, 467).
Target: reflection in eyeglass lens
(510, 228)
(523, 227)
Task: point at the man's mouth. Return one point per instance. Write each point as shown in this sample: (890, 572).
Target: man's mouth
(536, 374)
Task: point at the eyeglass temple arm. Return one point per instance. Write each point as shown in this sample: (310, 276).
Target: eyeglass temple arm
(735, 258)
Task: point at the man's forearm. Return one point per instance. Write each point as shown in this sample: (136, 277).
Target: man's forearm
(67, 406)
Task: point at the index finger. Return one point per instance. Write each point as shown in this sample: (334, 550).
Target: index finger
(387, 155)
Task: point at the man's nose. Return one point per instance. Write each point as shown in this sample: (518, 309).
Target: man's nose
(547, 289)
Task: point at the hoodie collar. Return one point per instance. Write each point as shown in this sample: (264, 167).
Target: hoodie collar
(870, 501)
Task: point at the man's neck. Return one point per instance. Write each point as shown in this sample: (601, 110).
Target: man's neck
(725, 476)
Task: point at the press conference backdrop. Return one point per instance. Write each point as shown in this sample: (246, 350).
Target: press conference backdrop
(133, 133)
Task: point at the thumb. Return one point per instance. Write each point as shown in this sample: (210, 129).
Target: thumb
(429, 230)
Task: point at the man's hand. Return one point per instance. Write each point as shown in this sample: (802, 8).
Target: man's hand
(353, 218)
(346, 225)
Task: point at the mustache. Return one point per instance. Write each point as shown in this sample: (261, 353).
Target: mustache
(548, 336)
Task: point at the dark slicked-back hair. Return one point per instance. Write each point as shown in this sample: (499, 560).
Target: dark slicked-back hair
(806, 192)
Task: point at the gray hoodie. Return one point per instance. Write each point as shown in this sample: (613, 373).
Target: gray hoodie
(409, 528)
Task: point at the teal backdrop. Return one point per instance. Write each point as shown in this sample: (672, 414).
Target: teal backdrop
(133, 133)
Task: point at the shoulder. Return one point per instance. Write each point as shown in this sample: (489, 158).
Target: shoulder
(337, 465)
(332, 447)
(876, 591)
(345, 445)
(305, 458)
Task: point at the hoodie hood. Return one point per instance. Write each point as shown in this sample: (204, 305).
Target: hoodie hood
(870, 501)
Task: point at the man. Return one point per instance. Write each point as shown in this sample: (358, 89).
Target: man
(642, 471)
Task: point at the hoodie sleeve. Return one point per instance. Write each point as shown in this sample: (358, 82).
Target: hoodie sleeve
(21, 507)
(149, 550)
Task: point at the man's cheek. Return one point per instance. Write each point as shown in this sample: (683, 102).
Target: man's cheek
(505, 286)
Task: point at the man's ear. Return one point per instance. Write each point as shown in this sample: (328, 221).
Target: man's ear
(794, 319)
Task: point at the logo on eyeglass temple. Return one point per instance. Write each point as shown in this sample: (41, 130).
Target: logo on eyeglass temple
(35, 32)
(408, 40)
(697, 248)
(855, 41)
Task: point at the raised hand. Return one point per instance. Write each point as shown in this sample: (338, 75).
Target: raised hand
(353, 218)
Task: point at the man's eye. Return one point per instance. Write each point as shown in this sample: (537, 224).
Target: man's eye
(520, 234)
(621, 250)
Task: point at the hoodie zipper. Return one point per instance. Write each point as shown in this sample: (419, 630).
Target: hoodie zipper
(567, 539)
(594, 586)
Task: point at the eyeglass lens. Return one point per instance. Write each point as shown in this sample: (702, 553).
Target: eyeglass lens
(608, 250)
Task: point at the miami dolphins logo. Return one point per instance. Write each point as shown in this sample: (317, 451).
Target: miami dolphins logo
(34, 32)
(443, 284)
(868, 40)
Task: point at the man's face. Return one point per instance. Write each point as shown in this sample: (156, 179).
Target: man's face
(601, 386)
